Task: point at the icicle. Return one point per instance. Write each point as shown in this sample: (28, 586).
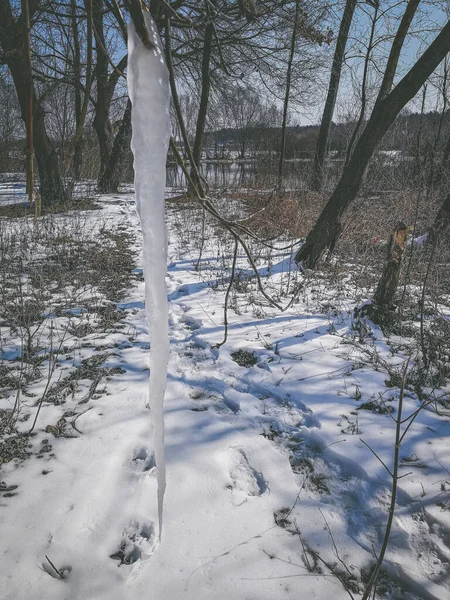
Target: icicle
(148, 88)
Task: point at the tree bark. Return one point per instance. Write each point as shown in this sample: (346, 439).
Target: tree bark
(335, 77)
(29, 102)
(52, 190)
(75, 150)
(381, 310)
(102, 123)
(387, 286)
(385, 111)
(397, 45)
(111, 177)
(287, 94)
(362, 112)
(443, 168)
(78, 148)
(204, 99)
(441, 223)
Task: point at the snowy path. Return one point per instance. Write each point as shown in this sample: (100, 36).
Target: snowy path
(242, 445)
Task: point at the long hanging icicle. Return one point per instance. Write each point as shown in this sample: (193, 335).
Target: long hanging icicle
(148, 88)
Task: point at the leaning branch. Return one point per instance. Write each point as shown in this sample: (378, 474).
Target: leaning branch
(397, 45)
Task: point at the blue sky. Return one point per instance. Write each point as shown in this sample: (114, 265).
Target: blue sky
(425, 26)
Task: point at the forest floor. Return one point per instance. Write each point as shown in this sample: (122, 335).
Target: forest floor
(274, 441)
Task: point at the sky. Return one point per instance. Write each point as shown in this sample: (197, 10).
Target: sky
(423, 30)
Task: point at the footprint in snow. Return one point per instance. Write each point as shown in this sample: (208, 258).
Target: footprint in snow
(143, 460)
(191, 323)
(138, 543)
(429, 542)
(55, 571)
(245, 480)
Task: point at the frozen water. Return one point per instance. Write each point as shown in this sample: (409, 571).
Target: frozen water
(148, 85)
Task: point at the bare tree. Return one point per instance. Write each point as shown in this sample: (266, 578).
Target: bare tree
(330, 102)
(52, 189)
(300, 28)
(389, 103)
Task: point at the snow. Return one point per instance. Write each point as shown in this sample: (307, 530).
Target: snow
(148, 85)
(265, 463)
(12, 191)
(421, 239)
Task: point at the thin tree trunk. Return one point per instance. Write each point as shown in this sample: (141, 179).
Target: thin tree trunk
(204, 99)
(433, 177)
(75, 151)
(102, 123)
(385, 111)
(444, 164)
(178, 112)
(335, 77)
(396, 48)
(78, 146)
(29, 103)
(287, 94)
(362, 112)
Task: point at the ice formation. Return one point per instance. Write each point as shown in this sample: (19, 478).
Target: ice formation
(148, 88)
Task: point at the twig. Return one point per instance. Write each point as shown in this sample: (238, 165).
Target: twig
(57, 571)
(230, 285)
(77, 416)
(106, 53)
(333, 543)
(395, 477)
(333, 571)
(51, 368)
(377, 457)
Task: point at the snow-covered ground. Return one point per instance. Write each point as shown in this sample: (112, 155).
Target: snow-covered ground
(13, 189)
(271, 493)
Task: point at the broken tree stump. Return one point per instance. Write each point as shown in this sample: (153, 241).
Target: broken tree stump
(381, 309)
(387, 286)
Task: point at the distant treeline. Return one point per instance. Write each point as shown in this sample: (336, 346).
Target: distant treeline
(301, 139)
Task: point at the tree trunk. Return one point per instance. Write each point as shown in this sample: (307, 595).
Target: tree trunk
(75, 149)
(102, 123)
(204, 99)
(441, 223)
(287, 94)
(327, 117)
(29, 102)
(381, 310)
(362, 112)
(327, 227)
(387, 286)
(443, 167)
(111, 176)
(52, 189)
(78, 150)
(176, 104)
